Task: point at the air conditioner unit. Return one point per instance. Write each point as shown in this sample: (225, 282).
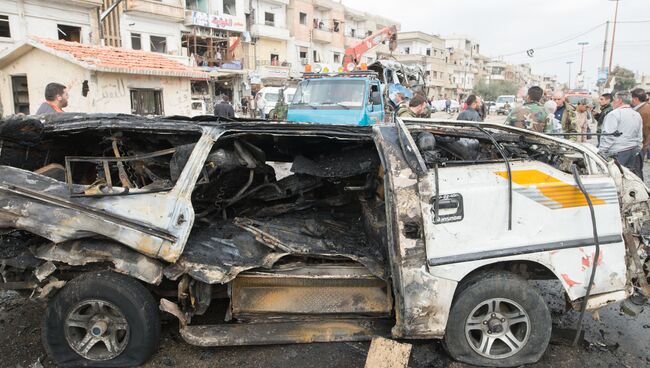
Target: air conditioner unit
(304, 61)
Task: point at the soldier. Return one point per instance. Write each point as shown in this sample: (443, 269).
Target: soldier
(416, 107)
(532, 114)
(566, 114)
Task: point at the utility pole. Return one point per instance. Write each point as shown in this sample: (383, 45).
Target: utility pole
(602, 64)
(582, 53)
(611, 53)
(569, 63)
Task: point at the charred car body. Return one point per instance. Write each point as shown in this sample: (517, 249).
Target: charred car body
(295, 233)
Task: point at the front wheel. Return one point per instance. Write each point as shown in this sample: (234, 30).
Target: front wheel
(101, 319)
(498, 320)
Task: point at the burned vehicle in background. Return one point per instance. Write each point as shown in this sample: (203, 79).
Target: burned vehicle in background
(296, 233)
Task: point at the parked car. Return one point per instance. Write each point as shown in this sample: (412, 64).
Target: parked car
(504, 104)
(418, 229)
(441, 104)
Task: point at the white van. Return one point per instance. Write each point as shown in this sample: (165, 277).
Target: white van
(271, 95)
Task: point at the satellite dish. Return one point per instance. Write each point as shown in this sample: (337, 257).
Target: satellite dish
(530, 52)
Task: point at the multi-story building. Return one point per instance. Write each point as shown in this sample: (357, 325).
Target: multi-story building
(465, 64)
(71, 20)
(270, 35)
(429, 53)
(317, 33)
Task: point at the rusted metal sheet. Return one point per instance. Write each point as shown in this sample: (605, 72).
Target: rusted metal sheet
(295, 332)
(262, 296)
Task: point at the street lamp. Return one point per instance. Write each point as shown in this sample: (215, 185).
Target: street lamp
(569, 63)
(582, 53)
(611, 52)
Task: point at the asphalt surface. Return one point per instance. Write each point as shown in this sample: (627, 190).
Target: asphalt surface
(615, 340)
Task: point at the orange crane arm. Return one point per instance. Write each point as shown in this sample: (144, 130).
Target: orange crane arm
(353, 54)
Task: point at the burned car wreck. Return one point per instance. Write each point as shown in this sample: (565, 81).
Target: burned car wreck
(292, 233)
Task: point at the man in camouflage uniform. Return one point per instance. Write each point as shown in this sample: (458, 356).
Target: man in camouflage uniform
(531, 115)
(566, 114)
(416, 108)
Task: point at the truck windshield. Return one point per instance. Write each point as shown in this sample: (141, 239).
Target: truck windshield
(271, 97)
(336, 93)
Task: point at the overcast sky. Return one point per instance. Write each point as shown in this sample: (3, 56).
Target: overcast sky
(505, 27)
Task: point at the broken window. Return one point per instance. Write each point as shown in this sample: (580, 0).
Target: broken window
(269, 19)
(316, 57)
(303, 18)
(146, 102)
(21, 94)
(136, 41)
(69, 33)
(197, 5)
(407, 50)
(5, 29)
(158, 44)
(229, 7)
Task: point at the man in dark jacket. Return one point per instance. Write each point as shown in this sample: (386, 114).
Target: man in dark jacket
(471, 113)
(224, 109)
(56, 98)
(605, 101)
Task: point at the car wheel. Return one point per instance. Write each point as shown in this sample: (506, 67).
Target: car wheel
(101, 319)
(498, 320)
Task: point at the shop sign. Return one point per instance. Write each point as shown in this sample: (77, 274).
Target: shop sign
(274, 72)
(220, 21)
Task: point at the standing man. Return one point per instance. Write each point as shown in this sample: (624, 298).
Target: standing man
(224, 109)
(482, 109)
(566, 115)
(605, 102)
(471, 113)
(260, 104)
(415, 108)
(626, 147)
(583, 119)
(640, 105)
(531, 115)
(56, 98)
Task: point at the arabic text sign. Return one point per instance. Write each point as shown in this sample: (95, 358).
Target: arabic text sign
(220, 21)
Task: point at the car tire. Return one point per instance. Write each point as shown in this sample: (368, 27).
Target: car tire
(498, 320)
(96, 310)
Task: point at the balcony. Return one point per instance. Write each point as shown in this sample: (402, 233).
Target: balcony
(173, 10)
(321, 35)
(83, 3)
(269, 31)
(323, 4)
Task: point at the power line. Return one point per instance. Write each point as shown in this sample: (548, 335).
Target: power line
(555, 43)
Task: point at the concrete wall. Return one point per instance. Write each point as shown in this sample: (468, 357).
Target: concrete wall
(266, 47)
(301, 32)
(279, 12)
(40, 19)
(108, 92)
(148, 27)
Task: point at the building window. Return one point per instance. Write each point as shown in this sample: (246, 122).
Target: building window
(69, 33)
(198, 5)
(407, 50)
(269, 19)
(303, 54)
(337, 58)
(146, 102)
(5, 30)
(229, 7)
(136, 41)
(316, 57)
(21, 94)
(352, 32)
(158, 44)
(337, 25)
(275, 59)
(428, 52)
(303, 19)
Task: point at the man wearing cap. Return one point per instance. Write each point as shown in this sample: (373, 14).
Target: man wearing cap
(583, 119)
(626, 146)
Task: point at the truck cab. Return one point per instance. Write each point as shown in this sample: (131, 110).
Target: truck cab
(352, 98)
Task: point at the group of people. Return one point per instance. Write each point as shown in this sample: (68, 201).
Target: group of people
(420, 107)
(622, 122)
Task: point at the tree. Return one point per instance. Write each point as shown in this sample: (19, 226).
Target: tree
(623, 79)
(494, 89)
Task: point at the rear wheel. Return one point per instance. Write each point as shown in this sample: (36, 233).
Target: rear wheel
(498, 320)
(101, 320)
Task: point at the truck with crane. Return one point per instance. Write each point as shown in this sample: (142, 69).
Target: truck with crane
(356, 93)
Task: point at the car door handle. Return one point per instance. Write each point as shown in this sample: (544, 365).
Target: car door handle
(449, 208)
